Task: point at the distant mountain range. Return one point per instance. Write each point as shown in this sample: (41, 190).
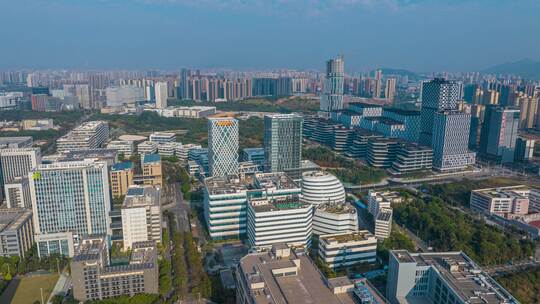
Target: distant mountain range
(401, 72)
(526, 68)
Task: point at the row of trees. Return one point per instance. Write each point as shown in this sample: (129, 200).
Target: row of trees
(288, 105)
(326, 157)
(10, 266)
(200, 281)
(446, 230)
(141, 298)
(178, 261)
(347, 170)
(251, 130)
(459, 193)
(187, 264)
(165, 282)
(359, 175)
(397, 240)
(525, 285)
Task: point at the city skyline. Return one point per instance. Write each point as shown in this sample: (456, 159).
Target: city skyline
(430, 35)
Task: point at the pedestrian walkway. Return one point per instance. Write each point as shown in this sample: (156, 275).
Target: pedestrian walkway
(60, 287)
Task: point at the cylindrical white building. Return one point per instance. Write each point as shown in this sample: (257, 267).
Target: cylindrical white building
(320, 187)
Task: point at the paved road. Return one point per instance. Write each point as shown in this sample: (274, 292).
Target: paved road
(418, 242)
(179, 208)
(507, 268)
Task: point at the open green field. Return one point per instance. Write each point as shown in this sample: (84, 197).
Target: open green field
(28, 290)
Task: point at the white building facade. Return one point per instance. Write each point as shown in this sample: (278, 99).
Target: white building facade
(223, 146)
(346, 249)
(334, 218)
(279, 220)
(320, 187)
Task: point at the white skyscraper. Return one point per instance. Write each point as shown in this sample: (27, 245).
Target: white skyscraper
(223, 146)
(69, 197)
(141, 215)
(332, 98)
(161, 95)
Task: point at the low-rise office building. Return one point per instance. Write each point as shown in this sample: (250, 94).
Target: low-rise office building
(278, 220)
(17, 193)
(121, 178)
(331, 218)
(359, 145)
(106, 155)
(347, 249)
(283, 275)
(62, 243)
(412, 157)
(162, 137)
(383, 223)
(147, 147)
(441, 277)
(125, 147)
(382, 199)
(95, 279)
(194, 112)
(152, 170)
(16, 142)
(501, 201)
(16, 232)
(183, 155)
(381, 152)
(225, 199)
(255, 155)
(17, 162)
(169, 148)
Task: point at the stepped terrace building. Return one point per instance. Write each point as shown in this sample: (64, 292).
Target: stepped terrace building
(331, 218)
(89, 135)
(346, 249)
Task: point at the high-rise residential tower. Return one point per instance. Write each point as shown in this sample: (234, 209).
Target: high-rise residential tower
(377, 89)
(161, 95)
(390, 89)
(223, 146)
(184, 83)
(282, 142)
(332, 98)
(499, 134)
(437, 95)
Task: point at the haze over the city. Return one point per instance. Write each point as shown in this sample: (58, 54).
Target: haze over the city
(420, 35)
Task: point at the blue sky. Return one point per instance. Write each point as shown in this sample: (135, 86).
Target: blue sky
(421, 35)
